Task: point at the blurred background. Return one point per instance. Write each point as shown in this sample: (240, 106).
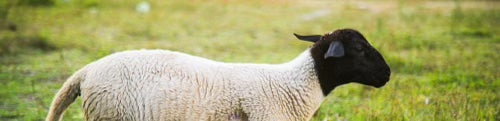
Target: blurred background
(444, 54)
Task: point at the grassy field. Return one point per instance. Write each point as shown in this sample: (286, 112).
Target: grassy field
(444, 54)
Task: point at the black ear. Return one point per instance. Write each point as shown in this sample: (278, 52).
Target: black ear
(309, 38)
(336, 49)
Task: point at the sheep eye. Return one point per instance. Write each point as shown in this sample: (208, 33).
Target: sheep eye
(359, 49)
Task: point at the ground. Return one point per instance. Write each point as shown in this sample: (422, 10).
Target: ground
(443, 54)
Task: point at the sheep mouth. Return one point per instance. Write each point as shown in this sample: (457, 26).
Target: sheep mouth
(380, 81)
(374, 80)
(378, 85)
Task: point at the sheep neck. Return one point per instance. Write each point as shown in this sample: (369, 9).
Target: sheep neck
(293, 85)
(303, 84)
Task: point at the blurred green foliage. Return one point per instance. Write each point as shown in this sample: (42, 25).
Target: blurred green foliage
(444, 54)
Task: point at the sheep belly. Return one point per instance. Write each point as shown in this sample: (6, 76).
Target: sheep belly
(156, 85)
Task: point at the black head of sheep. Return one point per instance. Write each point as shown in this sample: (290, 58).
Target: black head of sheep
(345, 56)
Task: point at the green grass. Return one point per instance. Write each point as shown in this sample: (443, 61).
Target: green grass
(444, 52)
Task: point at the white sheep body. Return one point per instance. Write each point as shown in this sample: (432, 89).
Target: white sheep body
(167, 85)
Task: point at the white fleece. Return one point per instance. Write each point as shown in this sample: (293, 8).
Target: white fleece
(165, 85)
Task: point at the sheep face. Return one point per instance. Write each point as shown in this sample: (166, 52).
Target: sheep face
(345, 56)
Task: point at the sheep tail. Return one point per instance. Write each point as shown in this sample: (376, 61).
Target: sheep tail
(66, 95)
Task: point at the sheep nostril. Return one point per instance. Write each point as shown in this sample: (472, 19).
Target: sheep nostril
(383, 75)
(385, 71)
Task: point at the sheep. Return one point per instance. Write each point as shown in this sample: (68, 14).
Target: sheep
(167, 85)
